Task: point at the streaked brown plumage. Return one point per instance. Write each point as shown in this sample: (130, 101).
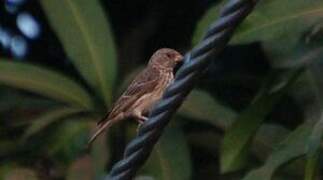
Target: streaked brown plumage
(144, 91)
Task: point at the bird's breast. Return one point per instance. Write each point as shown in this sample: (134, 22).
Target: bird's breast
(147, 101)
(164, 82)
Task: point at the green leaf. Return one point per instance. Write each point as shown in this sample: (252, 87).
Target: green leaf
(21, 174)
(7, 146)
(200, 105)
(100, 153)
(85, 33)
(267, 137)
(236, 142)
(291, 148)
(44, 82)
(170, 158)
(209, 17)
(93, 165)
(285, 35)
(313, 148)
(69, 140)
(314, 143)
(11, 99)
(5, 168)
(48, 118)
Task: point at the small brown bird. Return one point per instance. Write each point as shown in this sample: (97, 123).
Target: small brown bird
(144, 91)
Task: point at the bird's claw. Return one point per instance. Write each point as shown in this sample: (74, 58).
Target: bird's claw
(142, 119)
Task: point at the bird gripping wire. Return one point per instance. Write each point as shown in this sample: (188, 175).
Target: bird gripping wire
(195, 62)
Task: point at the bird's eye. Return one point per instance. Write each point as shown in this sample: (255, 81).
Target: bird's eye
(169, 55)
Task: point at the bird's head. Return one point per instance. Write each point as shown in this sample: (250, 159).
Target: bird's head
(165, 58)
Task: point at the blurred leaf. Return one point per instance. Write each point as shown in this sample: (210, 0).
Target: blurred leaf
(21, 174)
(267, 137)
(282, 32)
(70, 139)
(128, 79)
(7, 146)
(48, 118)
(201, 139)
(5, 168)
(313, 149)
(84, 30)
(292, 147)
(43, 81)
(209, 17)
(10, 99)
(144, 178)
(235, 145)
(170, 158)
(92, 166)
(81, 169)
(314, 144)
(200, 105)
(100, 153)
(285, 35)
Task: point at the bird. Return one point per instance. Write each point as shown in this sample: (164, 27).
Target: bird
(143, 92)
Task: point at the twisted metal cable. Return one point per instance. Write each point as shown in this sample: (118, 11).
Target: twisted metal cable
(195, 62)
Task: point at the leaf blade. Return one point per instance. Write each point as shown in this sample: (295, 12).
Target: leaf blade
(200, 105)
(170, 158)
(314, 144)
(241, 132)
(48, 118)
(44, 82)
(88, 41)
(291, 148)
(271, 24)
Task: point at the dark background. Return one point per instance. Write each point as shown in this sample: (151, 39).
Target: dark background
(140, 28)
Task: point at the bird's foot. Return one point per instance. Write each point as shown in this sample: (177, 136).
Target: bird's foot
(141, 119)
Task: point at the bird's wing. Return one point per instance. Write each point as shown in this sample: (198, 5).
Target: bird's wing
(143, 83)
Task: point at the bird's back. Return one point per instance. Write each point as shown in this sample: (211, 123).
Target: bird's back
(143, 83)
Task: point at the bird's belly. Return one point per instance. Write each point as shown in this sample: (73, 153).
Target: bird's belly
(147, 101)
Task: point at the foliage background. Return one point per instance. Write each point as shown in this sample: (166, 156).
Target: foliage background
(256, 113)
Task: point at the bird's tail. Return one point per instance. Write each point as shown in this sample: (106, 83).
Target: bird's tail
(101, 128)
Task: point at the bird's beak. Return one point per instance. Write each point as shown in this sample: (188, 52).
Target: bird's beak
(178, 58)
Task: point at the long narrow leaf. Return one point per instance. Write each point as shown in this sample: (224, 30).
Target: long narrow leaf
(234, 149)
(48, 118)
(200, 105)
(91, 166)
(313, 151)
(292, 147)
(70, 139)
(285, 34)
(20, 173)
(44, 82)
(170, 159)
(271, 24)
(83, 28)
(314, 144)
(100, 153)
